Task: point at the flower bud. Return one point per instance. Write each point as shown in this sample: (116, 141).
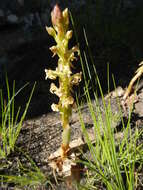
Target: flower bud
(51, 31)
(69, 34)
(56, 15)
(66, 16)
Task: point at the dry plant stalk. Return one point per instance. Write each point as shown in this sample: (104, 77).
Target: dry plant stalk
(138, 74)
(62, 35)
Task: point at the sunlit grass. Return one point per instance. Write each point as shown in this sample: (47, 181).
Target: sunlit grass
(25, 177)
(113, 162)
(10, 122)
(111, 165)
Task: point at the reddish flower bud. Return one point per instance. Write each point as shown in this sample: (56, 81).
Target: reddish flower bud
(56, 15)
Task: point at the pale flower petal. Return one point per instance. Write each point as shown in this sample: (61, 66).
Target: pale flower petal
(51, 74)
(65, 14)
(76, 78)
(54, 49)
(55, 107)
(76, 49)
(55, 90)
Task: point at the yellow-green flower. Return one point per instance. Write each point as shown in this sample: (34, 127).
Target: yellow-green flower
(62, 35)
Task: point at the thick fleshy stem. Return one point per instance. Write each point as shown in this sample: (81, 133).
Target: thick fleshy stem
(61, 34)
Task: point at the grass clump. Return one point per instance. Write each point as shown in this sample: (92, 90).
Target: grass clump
(25, 177)
(114, 162)
(11, 122)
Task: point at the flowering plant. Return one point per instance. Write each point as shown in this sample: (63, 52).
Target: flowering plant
(62, 35)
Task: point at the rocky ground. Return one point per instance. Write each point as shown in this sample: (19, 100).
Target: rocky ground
(41, 136)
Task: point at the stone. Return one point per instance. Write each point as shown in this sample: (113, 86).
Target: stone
(139, 108)
(12, 19)
(1, 13)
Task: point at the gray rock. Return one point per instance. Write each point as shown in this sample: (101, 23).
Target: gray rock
(139, 108)
(12, 19)
(1, 13)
